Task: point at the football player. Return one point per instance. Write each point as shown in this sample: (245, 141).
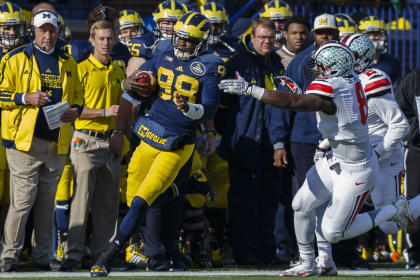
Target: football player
(131, 26)
(142, 48)
(346, 176)
(225, 47)
(12, 27)
(187, 83)
(277, 11)
(219, 43)
(374, 28)
(387, 124)
(12, 35)
(346, 25)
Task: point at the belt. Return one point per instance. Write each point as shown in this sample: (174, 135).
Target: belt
(97, 134)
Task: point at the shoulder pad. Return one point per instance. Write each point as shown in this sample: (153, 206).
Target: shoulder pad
(163, 46)
(321, 87)
(375, 81)
(142, 46)
(213, 63)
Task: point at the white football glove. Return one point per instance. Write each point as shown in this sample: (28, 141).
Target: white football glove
(241, 87)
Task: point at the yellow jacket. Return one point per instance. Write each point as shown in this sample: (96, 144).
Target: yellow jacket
(20, 74)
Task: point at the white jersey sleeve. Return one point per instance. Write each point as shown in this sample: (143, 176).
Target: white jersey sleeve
(375, 82)
(321, 88)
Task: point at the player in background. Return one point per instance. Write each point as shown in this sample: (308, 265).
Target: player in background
(346, 25)
(348, 174)
(277, 11)
(142, 48)
(188, 97)
(387, 127)
(374, 28)
(131, 26)
(219, 43)
(12, 35)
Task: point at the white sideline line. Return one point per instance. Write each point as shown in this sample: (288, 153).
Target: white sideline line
(376, 272)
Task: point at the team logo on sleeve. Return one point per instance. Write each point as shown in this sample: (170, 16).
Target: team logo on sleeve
(198, 68)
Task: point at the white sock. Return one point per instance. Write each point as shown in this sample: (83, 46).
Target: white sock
(366, 221)
(305, 234)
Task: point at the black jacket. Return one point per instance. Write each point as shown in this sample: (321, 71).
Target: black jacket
(408, 97)
(246, 131)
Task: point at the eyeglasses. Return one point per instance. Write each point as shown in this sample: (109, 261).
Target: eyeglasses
(265, 38)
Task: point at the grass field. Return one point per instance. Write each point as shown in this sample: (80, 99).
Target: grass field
(383, 271)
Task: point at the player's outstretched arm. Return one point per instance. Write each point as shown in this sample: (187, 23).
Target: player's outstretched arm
(301, 103)
(280, 99)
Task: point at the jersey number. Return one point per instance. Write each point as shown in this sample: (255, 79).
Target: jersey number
(370, 72)
(184, 85)
(361, 99)
(134, 49)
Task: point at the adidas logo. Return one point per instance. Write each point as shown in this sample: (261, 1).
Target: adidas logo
(179, 68)
(48, 70)
(26, 72)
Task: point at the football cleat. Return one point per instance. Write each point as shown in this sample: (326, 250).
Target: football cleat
(305, 268)
(99, 271)
(134, 255)
(403, 216)
(326, 266)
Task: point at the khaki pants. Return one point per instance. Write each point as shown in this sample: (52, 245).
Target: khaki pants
(34, 176)
(97, 182)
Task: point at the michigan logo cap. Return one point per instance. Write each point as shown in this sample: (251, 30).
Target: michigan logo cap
(44, 17)
(325, 21)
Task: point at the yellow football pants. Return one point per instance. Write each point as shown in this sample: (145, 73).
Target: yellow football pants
(65, 186)
(151, 171)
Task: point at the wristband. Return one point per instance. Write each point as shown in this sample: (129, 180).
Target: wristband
(122, 85)
(211, 132)
(104, 112)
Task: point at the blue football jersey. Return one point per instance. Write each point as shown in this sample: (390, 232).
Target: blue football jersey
(143, 46)
(196, 80)
(81, 49)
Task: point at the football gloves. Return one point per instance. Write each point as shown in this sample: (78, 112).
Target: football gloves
(241, 87)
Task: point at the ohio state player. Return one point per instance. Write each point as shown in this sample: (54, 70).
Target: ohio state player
(387, 124)
(347, 175)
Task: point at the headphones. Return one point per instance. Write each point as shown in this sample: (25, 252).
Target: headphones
(31, 29)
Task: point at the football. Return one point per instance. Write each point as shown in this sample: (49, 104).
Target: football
(146, 78)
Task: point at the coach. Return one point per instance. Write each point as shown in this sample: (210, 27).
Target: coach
(36, 74)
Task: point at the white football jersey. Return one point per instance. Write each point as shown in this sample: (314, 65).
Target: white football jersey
(349, 123)
(387, 124)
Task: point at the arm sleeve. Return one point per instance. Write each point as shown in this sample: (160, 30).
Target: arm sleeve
(210, 96)
(390, 113)
(280, 126)
(9, 98)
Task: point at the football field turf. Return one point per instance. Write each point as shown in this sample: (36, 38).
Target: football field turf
(249, 274)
